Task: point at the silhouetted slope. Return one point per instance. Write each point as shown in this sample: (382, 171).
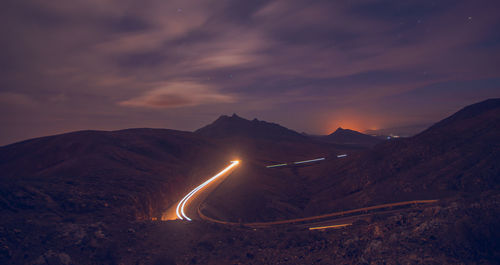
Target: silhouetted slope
(235, 126)
(459, 154)
(347, 136)
(131, 172)
(469, 113)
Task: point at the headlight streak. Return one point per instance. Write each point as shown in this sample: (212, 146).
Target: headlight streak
(296, 163)
(329, 226)
(278, 165)
(179, 210)
(309, 161)
(343, 155)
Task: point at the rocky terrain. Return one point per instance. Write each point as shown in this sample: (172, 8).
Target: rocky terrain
(459, 155)
(459, 231)
(462, 231)
(91, 197)
(94, 172)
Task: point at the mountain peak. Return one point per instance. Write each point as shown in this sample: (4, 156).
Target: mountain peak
(342, 130)
(235, 126)
(226, 118)
(348, 136)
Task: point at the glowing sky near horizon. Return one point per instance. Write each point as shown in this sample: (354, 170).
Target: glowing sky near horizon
(309, 66)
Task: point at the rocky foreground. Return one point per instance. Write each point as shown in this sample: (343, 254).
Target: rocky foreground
(458, 231)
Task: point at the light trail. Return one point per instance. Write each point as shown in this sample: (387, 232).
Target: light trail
(296, 163)
(328, 226)
(318, 217)
(309, 161)
(340, 156)
(278, 165)
(180, 207)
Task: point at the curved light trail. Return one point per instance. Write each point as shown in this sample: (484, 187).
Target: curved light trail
(180, 207)
(318, 217)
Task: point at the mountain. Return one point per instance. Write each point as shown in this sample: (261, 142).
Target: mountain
(458, 155)
(104, 173)
(87, 197)
(350, 137)
(235, 126)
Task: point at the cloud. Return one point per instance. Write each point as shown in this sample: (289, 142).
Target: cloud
(179, 94)
(16, 99)
(289, 60)
(232, 49)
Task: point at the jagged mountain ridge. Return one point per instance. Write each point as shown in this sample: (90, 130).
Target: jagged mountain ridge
(235, 126)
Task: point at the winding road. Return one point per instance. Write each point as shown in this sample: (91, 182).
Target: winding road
(186, 208)
(189, 208)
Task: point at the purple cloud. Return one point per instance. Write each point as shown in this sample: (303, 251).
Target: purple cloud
(111, 62)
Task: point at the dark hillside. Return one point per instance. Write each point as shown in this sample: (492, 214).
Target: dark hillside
(458, 155)
(132, 173)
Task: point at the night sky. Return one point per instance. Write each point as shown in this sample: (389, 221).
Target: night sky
(309, 65)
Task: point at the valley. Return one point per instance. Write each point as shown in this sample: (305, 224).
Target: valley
(118, 197)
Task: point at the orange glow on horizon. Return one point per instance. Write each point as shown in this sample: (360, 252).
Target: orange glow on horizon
(351, 124)
(352, 121)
